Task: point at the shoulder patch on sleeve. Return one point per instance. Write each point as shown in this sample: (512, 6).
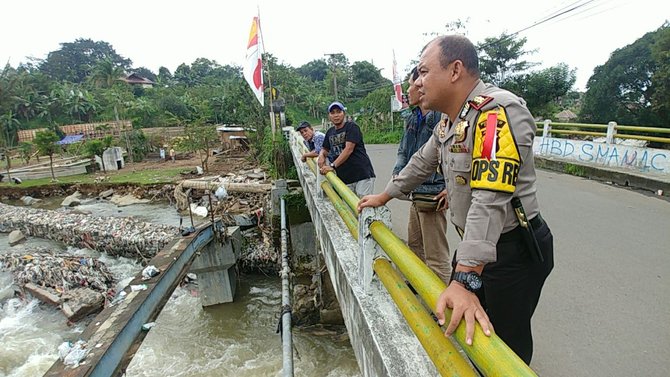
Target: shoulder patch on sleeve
(495, 155)
(479, 101)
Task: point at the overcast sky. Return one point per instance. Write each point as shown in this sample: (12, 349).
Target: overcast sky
(168, 33)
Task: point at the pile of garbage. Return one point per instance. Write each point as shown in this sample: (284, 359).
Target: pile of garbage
(116, 236)
(58, 273)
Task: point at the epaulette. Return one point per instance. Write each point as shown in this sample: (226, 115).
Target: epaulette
(479, 101)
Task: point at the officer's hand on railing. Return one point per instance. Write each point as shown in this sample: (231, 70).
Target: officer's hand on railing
(377, 200)
(466, 305)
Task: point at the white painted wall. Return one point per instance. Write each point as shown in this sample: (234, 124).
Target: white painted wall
(647, 160)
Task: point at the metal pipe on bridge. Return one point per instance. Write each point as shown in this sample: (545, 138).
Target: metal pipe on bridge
(491, 355)
(441, 351)
(286, 334)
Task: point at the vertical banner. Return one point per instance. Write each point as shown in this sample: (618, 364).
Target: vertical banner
(253, 70)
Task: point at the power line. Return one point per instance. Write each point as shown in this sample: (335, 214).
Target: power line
(565, 10)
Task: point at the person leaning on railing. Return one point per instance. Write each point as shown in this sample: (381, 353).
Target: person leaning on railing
(427, 224)
(484, 147)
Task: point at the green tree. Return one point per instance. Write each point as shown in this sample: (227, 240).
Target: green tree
(500, 58)
(74, 61)
(622, 89)
(94, 148)
(45, 141)
(543, 89)
(316, 70)
(660, 89)
(106, 73)
(26, 151)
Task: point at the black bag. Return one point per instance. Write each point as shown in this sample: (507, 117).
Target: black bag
(425, 202)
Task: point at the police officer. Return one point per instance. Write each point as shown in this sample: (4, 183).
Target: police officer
(484, 146)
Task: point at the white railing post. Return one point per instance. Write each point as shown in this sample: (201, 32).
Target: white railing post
(369, 249)
(611, 132)
(319, 179)
(546, 130)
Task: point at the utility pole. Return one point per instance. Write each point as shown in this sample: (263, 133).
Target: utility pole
(332, 60)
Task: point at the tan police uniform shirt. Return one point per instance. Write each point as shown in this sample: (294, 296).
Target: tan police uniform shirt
(479, 188)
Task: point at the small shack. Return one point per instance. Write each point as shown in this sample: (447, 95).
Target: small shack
(232, 138)
(113, 159)
(566, 116)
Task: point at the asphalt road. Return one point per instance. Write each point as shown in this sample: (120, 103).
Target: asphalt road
(605, 309)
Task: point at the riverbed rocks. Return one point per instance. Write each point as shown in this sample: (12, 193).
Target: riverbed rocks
(15, 237)
(72, 200)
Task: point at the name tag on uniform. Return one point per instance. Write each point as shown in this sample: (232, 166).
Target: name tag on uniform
(459, 148)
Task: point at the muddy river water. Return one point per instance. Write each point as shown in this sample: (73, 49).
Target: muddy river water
(237, 339)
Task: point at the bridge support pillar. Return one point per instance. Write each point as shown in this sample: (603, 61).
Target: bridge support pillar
(215, 267)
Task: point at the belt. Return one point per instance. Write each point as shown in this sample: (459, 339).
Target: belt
(536, 222)
(515, 234)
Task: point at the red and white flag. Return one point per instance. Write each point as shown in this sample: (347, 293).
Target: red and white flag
(253, 70)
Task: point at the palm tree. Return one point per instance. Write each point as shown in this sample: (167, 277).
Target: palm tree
(105, 73)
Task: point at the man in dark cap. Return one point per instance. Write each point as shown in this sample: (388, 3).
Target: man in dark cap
(349, 159)
(313, 140)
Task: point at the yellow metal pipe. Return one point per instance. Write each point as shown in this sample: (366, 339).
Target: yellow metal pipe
(445, 356)
(345, 192)
(349, 220)
(644, 129)
(491, 355)
(642, 137)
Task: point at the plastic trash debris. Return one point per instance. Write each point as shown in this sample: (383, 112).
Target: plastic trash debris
(221, 193)
(149, 272)
(119, 297)
(147, 326)
(64, 349)
(139, 287)
(76, 354)
(199, 210)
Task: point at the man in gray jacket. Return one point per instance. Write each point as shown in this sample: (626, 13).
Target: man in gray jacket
(485, 148)
(427, 225)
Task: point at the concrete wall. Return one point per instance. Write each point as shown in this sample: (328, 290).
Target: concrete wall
(646, 160)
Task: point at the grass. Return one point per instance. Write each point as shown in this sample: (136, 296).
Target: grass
(142, 177)
(577, 170)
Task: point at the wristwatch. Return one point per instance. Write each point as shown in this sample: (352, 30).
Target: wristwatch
(332, 165)
(470, 280)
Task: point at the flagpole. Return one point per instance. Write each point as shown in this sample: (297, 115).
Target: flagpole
(273, 120)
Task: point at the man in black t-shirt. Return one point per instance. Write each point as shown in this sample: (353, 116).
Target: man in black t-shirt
(344, 142)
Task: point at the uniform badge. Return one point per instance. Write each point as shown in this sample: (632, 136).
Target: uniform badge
(442, 129)
(479, 101)
(459, 148)
(464, 110)
(460, 180)
(460, 131)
